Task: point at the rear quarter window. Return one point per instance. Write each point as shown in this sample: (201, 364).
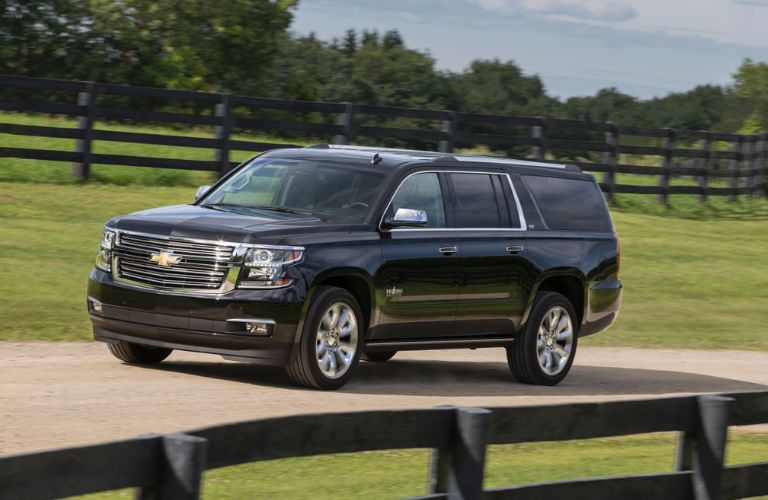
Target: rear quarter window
(570, 204)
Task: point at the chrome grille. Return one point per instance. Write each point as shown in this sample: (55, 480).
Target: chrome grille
(202, 265)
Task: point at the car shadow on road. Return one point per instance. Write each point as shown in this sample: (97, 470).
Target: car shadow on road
(467, 379)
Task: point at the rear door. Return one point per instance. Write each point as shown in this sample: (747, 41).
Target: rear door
(416, 287)
(494, 275)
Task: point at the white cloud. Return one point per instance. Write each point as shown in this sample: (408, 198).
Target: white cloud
(600, 10)
(493, 4)
(603, 10)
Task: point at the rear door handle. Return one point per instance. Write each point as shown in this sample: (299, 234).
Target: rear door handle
(514, 248)
(448, 250)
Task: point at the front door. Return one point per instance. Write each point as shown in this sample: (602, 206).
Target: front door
(416, 287)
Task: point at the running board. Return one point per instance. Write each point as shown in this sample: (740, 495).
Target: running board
(425, 344)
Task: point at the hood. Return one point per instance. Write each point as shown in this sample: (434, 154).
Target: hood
(191, 221)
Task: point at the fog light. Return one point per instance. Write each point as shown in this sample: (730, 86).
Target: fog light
(96, 306)
(251, 326)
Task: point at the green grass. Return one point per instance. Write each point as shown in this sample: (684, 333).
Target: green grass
(695, 283)
(403, 473)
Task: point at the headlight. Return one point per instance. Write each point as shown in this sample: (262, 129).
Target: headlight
(104, 254)
(264, 266)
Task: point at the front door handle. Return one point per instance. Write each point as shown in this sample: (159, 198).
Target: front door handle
(448, 250)
(514, 248)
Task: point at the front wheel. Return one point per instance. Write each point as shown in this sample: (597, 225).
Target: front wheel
(329, 348)
(138, 353)
(543, 353)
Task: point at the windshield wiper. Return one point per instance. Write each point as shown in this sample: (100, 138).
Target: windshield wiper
(281, 209)
(288, 210)
(221, 205)
(285, 210)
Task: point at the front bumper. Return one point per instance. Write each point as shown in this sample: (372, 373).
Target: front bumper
(196, 322)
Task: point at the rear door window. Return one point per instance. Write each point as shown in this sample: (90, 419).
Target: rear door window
(569, 204)
(479, 201)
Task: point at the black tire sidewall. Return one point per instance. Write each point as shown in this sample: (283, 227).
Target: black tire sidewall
(322, 300)
(544, 302)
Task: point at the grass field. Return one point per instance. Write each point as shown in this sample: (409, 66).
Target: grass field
(695, 283)
(403, 473)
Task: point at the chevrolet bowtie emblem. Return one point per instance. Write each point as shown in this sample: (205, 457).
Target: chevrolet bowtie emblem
(165, 259)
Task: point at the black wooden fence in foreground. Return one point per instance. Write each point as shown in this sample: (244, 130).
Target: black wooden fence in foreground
(690, 162)
(171, 466)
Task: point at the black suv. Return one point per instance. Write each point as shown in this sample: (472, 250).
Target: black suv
(314, 258)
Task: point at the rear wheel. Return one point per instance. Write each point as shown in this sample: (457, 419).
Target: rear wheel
(330, 344)
(544, 351)
(138, 353)
(379, 357)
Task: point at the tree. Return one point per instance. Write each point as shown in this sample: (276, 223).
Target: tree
(199, 44)
(752, 83)
(492, 86)
(607, 105)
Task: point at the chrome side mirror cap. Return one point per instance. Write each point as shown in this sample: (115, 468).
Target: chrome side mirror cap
(408, 217)
(201, 191)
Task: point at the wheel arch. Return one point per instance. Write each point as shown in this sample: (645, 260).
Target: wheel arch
(570, 284)
(355, 281)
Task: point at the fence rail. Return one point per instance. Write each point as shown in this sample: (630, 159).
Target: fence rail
(692, 162)
(171, 466)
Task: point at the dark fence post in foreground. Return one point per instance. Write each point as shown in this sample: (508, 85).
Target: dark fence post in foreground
(459, 469)
(668, 144)
(735, 167)
(539, 131)
(182, 469)
(87, 100)
(223, 131)
(761, 163)
(706, 166)
(703, 449)
(611, 159)
(449, 129)
(346, 120)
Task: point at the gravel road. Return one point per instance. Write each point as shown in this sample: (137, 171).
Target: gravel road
(62, 394)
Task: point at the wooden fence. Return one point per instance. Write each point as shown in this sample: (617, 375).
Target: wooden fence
(692, 162)
(171, 466)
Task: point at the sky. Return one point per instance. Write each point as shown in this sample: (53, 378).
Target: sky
(646, 48)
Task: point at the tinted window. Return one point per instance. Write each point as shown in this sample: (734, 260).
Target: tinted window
(476, 204)
(421, 192)
(569, 204)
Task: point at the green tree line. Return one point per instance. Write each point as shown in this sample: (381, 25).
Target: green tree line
(246, 47)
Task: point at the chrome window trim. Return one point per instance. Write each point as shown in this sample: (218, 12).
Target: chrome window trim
(234, 265)
(520, 216)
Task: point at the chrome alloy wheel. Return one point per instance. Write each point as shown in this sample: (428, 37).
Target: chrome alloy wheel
(554, 341)
(336, 340)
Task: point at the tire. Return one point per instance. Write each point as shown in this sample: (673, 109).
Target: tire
(378, 357)
(138, 354)
(537, 357)
(331, 341)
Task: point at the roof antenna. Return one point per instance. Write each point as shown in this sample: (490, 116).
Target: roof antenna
(376, 159)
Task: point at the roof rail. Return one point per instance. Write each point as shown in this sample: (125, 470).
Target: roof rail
(441, 156)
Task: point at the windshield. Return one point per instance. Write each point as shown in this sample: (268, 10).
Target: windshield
(331, 192)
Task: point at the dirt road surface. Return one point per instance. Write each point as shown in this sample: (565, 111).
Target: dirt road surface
(62, 394)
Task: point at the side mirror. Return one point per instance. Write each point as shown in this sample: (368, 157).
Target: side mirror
(201, 191)
(407, 217)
